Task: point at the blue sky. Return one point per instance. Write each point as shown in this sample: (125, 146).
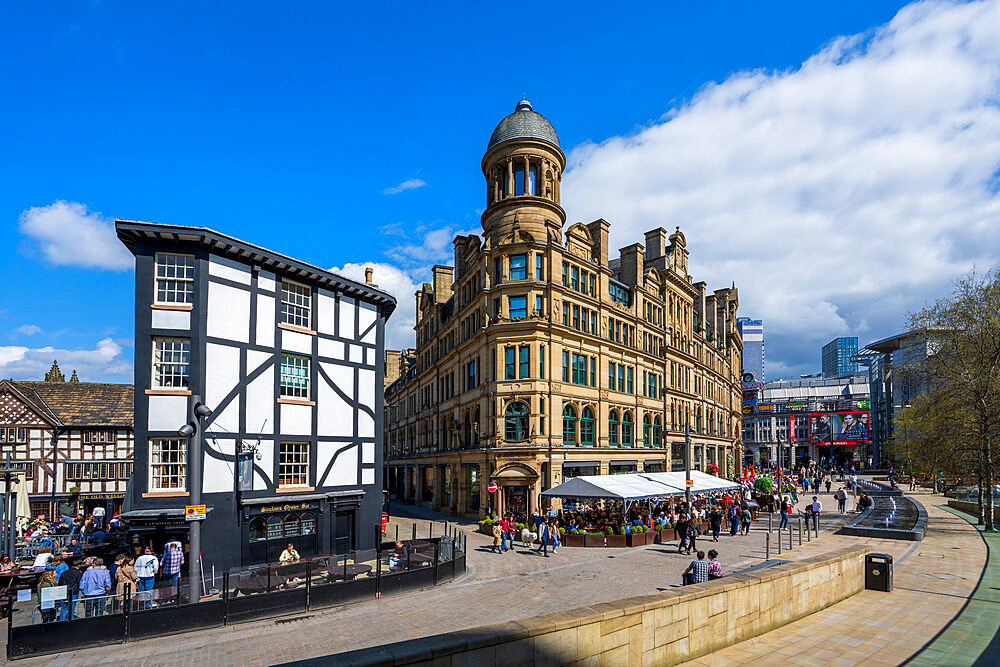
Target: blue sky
(294, 127)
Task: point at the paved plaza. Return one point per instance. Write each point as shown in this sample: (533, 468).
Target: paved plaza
(934, 579)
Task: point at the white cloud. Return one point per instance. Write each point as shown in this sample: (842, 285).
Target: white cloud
(408, 184)
(838, 195)
(399, 330)
(28, 329)
(69, 234)
(436, 246)
(103, 363)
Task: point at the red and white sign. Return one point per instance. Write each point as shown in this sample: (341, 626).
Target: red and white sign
(492, 487)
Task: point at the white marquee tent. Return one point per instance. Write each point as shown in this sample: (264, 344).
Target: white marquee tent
(637, 486)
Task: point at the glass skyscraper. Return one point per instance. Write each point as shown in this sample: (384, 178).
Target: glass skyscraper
(837, 357)
(752, 333)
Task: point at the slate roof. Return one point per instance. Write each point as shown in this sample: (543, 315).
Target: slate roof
(81, 403)
(524, 123)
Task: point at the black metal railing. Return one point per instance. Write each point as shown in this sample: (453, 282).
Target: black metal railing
(273, 589)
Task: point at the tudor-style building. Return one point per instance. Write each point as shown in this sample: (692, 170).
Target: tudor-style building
(539, 357)
(289, 357)
(72, 439)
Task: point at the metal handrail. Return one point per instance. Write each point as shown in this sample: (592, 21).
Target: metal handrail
(78, 598)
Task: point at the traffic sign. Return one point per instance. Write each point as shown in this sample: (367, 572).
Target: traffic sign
(195, 512)
(492, 487)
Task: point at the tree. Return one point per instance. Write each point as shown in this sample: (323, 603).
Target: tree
(961, 409)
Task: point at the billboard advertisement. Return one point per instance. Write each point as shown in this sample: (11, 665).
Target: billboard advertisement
(839, 427)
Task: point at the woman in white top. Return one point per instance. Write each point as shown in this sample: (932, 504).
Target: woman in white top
(43, 557)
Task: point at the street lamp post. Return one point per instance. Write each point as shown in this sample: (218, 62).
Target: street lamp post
(9, 518)
(192, 431)
(687, 465)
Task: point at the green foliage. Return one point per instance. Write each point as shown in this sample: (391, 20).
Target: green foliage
(763, 485)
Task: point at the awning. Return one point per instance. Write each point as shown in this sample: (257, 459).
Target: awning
(165, 513)
(637, 486)
(581, 464)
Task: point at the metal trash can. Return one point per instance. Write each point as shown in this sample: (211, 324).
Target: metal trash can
(878, 572)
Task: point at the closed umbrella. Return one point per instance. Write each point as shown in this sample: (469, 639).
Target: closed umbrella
(23, 506)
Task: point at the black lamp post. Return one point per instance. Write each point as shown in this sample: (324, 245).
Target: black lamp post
(192, 431)
(9, 518)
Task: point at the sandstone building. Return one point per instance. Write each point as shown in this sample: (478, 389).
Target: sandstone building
(539, 357)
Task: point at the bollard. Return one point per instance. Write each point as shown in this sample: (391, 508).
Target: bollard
(770, 518)
(767, 547)
(779, 541)
(800, 531)
(414, 531)
(815, 526)
(789, 537)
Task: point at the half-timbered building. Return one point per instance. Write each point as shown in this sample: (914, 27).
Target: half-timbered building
(289, 357)
(73, 440)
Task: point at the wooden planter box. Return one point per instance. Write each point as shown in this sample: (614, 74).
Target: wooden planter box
(571, 540)
(637, 539)
(486, 530)
(593, 540)
(616, 541)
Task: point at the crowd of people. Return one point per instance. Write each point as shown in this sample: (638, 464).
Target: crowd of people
(101, 586)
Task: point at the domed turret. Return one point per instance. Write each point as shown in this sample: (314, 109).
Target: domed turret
(523, 167)
(523, 124)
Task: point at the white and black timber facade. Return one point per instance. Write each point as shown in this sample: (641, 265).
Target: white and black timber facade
(72, 440)
(290, 359)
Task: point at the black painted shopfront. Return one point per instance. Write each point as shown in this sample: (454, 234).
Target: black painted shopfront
(316, 524)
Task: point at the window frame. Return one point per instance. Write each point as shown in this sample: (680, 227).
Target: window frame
(293, 464)
(174, 285)
(521, 267)
(522, 311)
(288, 389)
(296, 307)
(175, 469)
(182, 366)
(516, 421)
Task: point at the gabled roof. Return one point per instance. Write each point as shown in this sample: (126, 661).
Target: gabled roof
(70, 404)
(132, 232)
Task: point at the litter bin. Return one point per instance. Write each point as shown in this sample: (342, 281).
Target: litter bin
(878, 572)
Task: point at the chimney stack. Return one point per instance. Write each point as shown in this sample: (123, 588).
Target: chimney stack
(369, 271)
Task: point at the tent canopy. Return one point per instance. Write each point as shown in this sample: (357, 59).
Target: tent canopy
(637, 486)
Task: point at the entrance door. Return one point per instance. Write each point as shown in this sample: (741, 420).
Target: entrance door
(515, 501)
(343, 532)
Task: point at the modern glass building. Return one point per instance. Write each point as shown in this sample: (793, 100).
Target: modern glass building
(837, 356)
(752, 332)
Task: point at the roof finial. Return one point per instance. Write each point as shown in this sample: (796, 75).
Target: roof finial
(54, 374)
(523, 105)
(73, 377)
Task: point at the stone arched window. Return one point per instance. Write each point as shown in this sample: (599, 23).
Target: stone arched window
(587, 427)
(646, 434)
(627, 429)
(569, 425)
(613, 428)
(657, 432)
(516, 422)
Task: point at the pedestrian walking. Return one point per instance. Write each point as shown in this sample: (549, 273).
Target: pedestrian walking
(829, 483)
(505, 533)
(734, 520)
(841, 497)
(555, 535)
(543, 537)
(715, 521)
(784, 513)
(496, 539)
(681, 529)
(126, 577)
(745, 520)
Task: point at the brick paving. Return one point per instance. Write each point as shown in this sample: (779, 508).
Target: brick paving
(933, 581)
(496, 588)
